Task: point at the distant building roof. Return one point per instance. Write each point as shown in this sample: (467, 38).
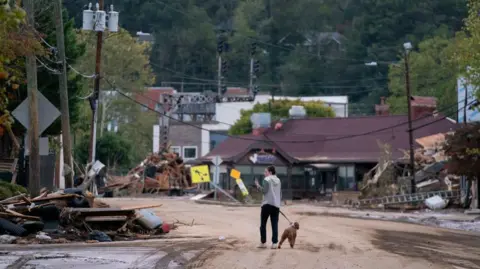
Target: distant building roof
(326, 140)
(424, 101)
(145, 37)
(151, 96)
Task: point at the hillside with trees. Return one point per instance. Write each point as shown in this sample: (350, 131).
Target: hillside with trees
(305, 47)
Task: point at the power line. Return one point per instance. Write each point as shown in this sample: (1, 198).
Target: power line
(79, 73)
(278, 141)
(54, 71)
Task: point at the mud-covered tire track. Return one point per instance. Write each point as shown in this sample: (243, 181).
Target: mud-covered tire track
(176, 251)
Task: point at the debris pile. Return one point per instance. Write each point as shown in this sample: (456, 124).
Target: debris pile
(158, 172)
(390, 178)
(74, 215)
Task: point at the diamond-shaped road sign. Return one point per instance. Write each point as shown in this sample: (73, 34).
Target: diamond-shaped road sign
(47, 113)
(217, 160)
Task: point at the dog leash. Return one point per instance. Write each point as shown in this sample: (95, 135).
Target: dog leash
(285, 217)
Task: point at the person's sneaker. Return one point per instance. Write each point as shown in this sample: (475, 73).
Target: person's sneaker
(274, 246)
(262, 245)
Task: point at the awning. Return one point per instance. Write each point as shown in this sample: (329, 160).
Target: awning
(324, 165)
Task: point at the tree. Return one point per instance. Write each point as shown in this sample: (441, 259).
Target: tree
(279, 110)
(113, 150)
(468, 53)
(433, 72)
(125, 66)
(295, 46)
(47, 80)
(17, 40)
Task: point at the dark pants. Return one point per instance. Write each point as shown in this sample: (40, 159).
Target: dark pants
(272, 212)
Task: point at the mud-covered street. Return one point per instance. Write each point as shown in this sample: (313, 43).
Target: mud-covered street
(226, 237)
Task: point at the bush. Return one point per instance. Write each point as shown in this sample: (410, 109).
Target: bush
(8, 190)
(5, 193)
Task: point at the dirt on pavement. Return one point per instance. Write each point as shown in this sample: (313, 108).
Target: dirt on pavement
(323, 241)
(227, 237)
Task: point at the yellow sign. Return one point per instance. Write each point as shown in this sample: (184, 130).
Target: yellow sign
(242, 187)
(235, 174)
(200, 174)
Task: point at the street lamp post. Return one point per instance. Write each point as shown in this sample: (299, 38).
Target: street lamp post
(408, 46)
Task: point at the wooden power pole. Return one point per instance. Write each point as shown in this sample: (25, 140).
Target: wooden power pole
(96, 93)
(33, 134)
(63, 90)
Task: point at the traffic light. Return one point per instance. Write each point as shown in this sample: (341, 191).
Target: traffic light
(220, 45)
(224, 67)
(256, 67)
(253, 48)
(224, 89)
(255, 89)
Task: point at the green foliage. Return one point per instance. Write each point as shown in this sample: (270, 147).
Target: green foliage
(125, 65)
(462, 147)
(297, 52)
(113, 150)
(279, 110)
(48, 83)
(8, 190)
(468, 51)
(433, 72)
(17, 40)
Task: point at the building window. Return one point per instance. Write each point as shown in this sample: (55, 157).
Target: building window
(346, 178)
(158, 107)
(190, 152)
(177, 150)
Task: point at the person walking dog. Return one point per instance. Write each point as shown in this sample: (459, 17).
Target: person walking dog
(272, 195)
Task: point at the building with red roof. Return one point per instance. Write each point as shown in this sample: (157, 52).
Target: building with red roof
(321, 155)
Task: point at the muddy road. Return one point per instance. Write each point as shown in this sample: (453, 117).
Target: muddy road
(323, 241)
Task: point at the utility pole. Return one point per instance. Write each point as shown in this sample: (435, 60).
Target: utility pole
(96, 92)
(465, 104)
(252, 54)
(33, 133)
(63, 89)
(221, 65)
(254, 69)
(407, 47)
(273, 51)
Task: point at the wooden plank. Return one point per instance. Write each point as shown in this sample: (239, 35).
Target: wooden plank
(55, 197)
(86, 212)
(18, 215)
(11, 199)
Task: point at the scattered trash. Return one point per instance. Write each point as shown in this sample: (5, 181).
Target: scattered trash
(389, 182)
(7, 239)
(75, 215)
(148, 219)
(221, 238)
(158, 172)
(99, 236)
(435, 203)
(43, 236)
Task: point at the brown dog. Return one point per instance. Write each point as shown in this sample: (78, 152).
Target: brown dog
(291, 234)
